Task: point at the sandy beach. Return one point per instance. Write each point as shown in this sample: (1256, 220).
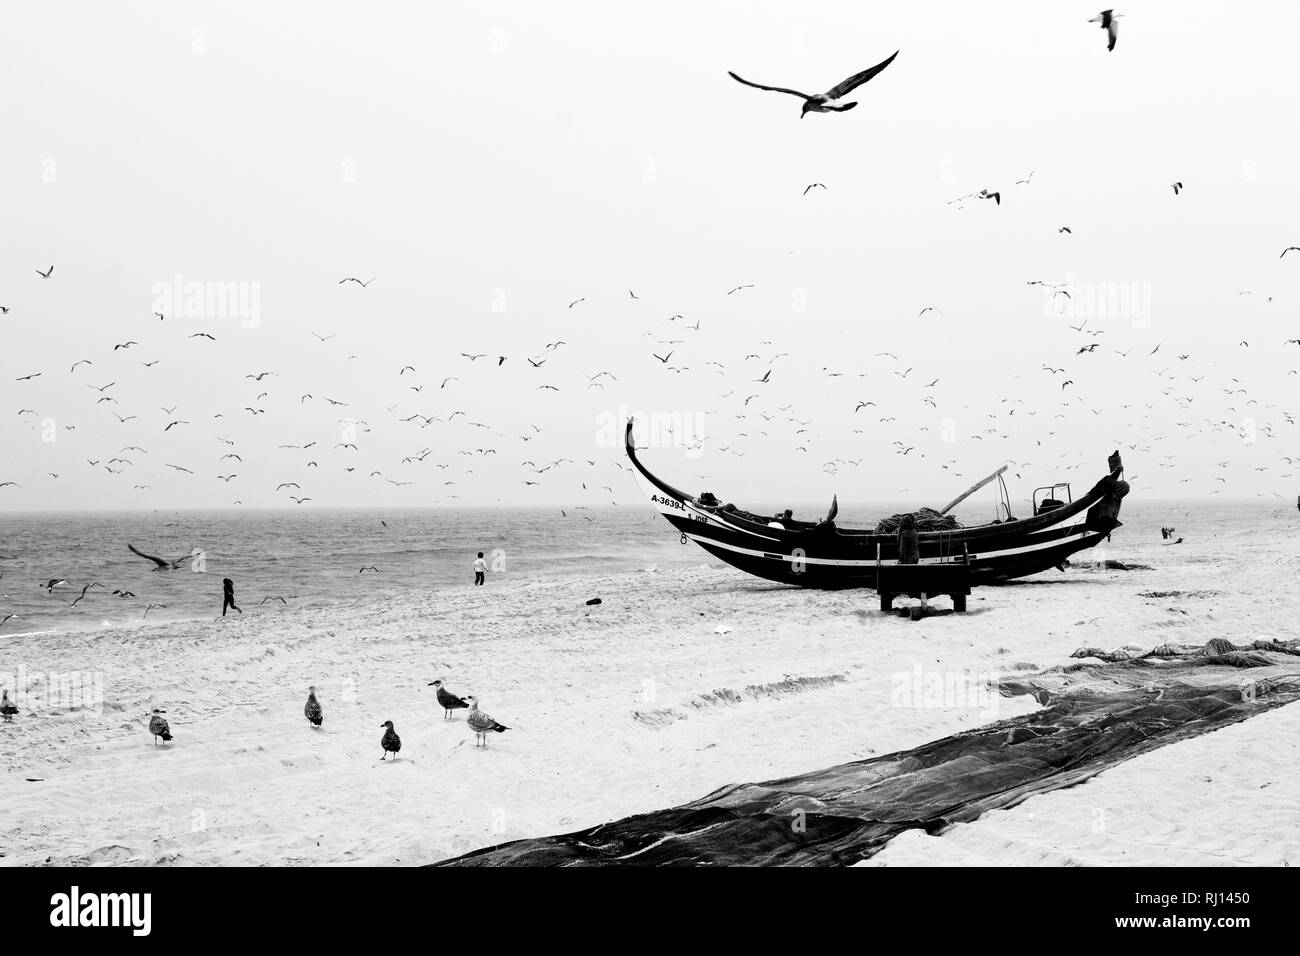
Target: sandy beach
(628, 706)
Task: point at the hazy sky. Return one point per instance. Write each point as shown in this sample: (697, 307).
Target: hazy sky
(490, 163)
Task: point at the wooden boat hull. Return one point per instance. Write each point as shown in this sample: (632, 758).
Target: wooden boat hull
(823, 556)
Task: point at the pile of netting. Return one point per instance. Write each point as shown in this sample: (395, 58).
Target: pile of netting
(927, 519)
(1095, 715)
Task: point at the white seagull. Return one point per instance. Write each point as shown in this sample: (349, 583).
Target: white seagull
(481, 723)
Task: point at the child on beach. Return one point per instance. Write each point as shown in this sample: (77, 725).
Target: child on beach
(228, 596)
(480, 568)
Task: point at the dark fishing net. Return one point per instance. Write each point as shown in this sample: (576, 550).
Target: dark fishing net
(927, 519)
(1097, 715)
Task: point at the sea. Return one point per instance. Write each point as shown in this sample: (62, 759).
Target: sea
(288, 558)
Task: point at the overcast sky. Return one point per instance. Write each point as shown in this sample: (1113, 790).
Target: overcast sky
(488, 164)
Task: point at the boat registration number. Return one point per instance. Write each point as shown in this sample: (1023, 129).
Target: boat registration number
(670, 502)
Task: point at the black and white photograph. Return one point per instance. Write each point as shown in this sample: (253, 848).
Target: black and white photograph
(524, 435)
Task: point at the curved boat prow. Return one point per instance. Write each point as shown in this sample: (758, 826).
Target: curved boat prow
(1104, 515)
(663, 496)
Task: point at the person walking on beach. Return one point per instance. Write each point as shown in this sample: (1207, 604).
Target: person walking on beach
(480, 568)
(228, 596)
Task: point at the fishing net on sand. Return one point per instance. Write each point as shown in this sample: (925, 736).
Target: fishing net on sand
(1095, 715)
(927, 519)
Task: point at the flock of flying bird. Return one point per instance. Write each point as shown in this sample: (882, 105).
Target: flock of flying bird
(760, 383)
(750, 381)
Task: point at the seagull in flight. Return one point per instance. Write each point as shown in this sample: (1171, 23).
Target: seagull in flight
(46, 273)
(830, 101)
(1107, 19)
(357, 281)
(812, 185)
(163, 565)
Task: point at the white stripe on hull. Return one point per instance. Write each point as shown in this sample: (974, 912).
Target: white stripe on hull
(871, 562)
(717, 518)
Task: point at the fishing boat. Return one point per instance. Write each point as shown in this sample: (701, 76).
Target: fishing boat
(818, 554)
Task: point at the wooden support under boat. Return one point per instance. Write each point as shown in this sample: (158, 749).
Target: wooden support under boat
(923, 581)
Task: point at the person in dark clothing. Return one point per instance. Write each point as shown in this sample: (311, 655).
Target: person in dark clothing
(480, 568)
(909, 541)
(228, 596)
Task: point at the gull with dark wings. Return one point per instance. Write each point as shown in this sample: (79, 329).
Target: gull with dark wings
(163, 564)
(1107, 19)
(830, 101)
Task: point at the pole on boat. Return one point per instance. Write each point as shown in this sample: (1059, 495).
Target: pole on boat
(970, 491)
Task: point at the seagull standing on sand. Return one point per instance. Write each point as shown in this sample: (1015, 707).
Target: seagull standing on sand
(481, 723)
(390, 741)
(447, 700)
(312, 710)
(829, 101)
(158, 727)
(7, 707)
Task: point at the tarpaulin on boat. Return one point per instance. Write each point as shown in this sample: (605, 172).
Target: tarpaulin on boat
(927, 519)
